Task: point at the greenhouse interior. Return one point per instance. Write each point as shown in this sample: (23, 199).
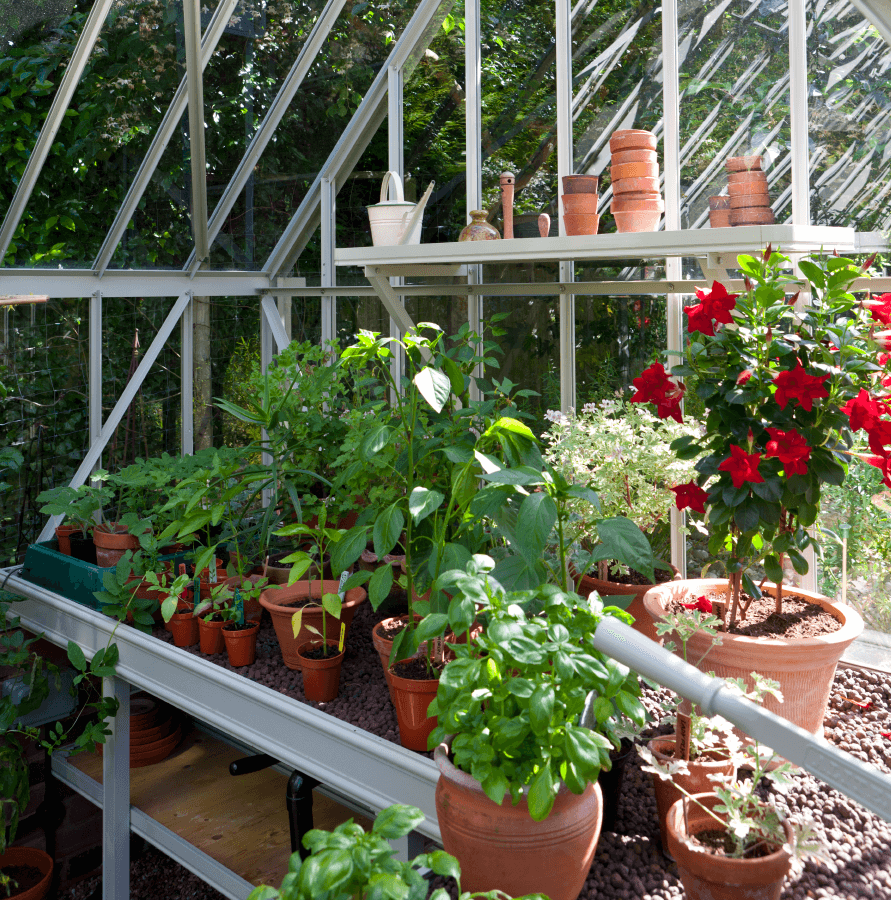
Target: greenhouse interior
(402, 510)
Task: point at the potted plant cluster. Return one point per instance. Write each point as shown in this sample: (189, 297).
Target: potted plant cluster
(784, 388)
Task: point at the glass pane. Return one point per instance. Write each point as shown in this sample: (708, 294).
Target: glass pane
(850, 129)
(734, 77)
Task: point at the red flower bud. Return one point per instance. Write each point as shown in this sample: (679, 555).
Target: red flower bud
(768, 252)
(868, 264)
(747, 282)
(744, 376)
(794, 298)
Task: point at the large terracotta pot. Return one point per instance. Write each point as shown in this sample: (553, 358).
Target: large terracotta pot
(642, 621)
(411, 699)
(503, 847)
(111, 545)
(804, 667)
(706, 876)
(280, 601)
(668, 793)
(36, 859)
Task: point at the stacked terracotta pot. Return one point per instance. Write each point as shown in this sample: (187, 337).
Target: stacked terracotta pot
(580, 204)
(719, 211)
(155, 730)
(637, 204)
(749, 200)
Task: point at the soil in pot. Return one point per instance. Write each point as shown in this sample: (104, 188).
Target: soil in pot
(321, 670)
(413, 687)
(241, 642)
(31, 869)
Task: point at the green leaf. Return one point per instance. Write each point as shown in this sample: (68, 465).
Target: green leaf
(348, 549)
(380, 585)
(387, 528)
(76, 657)
(331, 604)
(431, 626)
(542, 792)
(397, 821)
(622, 540)
(434, 386)
(541, 708)
(422, 502)
(375, 441)
(444, 863)
(535, 521)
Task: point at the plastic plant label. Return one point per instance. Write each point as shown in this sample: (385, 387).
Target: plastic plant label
(342, 637)
(239, 608)
(344, 576)
(682, 730)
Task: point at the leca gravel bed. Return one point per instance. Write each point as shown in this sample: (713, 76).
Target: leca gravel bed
(628, 864)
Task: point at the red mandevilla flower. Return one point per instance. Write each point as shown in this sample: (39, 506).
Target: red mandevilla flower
(714, 306)
(864, 411)
(790, 448)
(702, 604)
(880, 308)
(690, 496)
(654, 386)
(796, 384)
(742, 466)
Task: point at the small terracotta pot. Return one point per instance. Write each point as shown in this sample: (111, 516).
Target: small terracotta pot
(637, 221)
(502, 847)
(184, 628)
(321, 677)
(280, 601)
(720, 202)
(411, 699)
(623, 157)
(746, 187)
(637, 195)
(210, 636)
(63, 536)
(643, 623)
(634, 170)
(632, 139)
(580, 224)
(383, 647)
(754, 215)
(252, 608)
(750, 201)
(623, 203)
(668, 792)
(580, 184)
(706, 876)
(743, 163)
(736, 178)
(241, 645)
(36, 859)
(112, 545)
(719, 218)
(580, 204)
(629, 185)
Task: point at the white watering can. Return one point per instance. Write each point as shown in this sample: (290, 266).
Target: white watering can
(396, 221)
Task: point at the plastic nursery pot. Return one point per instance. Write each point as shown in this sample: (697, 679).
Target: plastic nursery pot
(637, 220)
(28, 858)
(720, 202)
(707, 876)
(83, 548)
(63, 536)
(411, 699)
(580, 204)
(635, 170)
(580, 224)
(632, 139)
(754, 215)
(321, 677)
(742, 163)
(241, 643)
(502, 847)
(623, 157)
(667, 792)
(630, 185)
(111, 545)
(610, 781)
(210, 637)
(580, 184)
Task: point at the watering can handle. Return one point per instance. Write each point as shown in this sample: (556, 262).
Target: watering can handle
(393, 177)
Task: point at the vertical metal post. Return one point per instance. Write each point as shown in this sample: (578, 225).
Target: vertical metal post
(473, 155)
(801, 206)
(396, 163)
(671, 148)
(565, 166)
(329, 276)
(95, 386)
(195, 90)
(187, 440)
(116, 796)
(284, 303)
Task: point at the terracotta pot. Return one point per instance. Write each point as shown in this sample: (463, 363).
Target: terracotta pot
(580, 224)
(637, 195)
(623, 157)
(63, 536)
(743, 163)
(746, 201)
(719, 218)
(668, 793)
(737, 178)
(252, 608)
(622, 204)
(36, 859)
(634, 170)
(184, 628)
(280, 601)
(632, 139)
(804, 667)
(721, 202)
(642, 621)
(502, 847)
(210, 637)
(580, 184)
(411, 699)
(279, 574)
(383, 647)
(580, 204)
(706, 876)
(637, 220)
(629, 185)
(321, 677)
(755, 215)
(241, 645)
(112, 545)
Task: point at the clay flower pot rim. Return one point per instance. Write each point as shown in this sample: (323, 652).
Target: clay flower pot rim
(852, 623)
(308, 645)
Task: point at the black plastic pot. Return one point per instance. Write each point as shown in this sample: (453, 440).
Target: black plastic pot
(83, 548)
(611, 783)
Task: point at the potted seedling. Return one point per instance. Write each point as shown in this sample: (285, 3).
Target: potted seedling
(177, 608)
(212, 613)
(79, 506)
(240, 631)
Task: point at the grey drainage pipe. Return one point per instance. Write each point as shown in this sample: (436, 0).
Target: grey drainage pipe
(855, 779)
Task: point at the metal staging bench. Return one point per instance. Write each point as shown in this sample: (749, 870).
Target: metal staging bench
(353, 763)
